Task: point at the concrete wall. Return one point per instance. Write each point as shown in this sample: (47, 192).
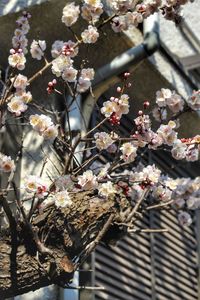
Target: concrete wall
(10, 6)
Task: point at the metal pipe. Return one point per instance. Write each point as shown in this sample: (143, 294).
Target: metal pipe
(107, 75)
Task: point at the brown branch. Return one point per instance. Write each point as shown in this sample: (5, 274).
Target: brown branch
(148, 230)
(94, 243)
(160, 205)
(137, 205)
(40, 72)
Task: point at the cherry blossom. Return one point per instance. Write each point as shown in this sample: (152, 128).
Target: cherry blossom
(128, 152)
(90, 35)
(92, 10)
(107, 190)
(179, 150)
(69, 74)
(17, 106)
(103, 140)
(116, 106)
(162, 193)
(84, 80)
(194, 100)
(17, 59)
(62, 199)
(6, 163)
(87, 181)
(37, 49)
(70, 14)
(44, 126)
(35, 184)
(184, 218)
(20, 82)
(167, 133)
(60, 64)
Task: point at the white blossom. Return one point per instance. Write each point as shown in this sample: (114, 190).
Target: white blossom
(194, 100)
(184, 218)
(35, 184)
(193, 202)
(192, 153)
(69, 74)
(92, 10)
(107, 190)
(90, 35)
(175, 103)
(87, 73)
(60, 64)
(62, 199)
(37, 49)
(50, 133)
(6, 163)
(56, 48)
(119, 24)
(103, 140)
(20, 82)
(129, 152)
(159, 114)
(162, 193)
(133, 18)
(26, 97)
(70, 14)
(88, 180)
(167, 133)
(17, 60)
(162, 96)
(44, 126)
(109, 107)
(17, 106)
(179, 150)
(83, 85)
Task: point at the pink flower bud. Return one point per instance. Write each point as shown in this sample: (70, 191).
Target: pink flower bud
(12, 51)
(140, 112)
(126, 75)
(146, 104)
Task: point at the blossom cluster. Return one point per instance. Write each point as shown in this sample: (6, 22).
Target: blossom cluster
(183, 193)
(17, 58)
(6, 163)
(115, 108)
(44, 126)
(129, 152)
(103, 140)
(18, 103)
(35, 184)
(130, 15)
(62, 66)
(91, 10)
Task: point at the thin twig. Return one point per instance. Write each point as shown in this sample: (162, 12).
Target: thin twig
(160, 205)
(83, 287)
(137, 205)
(148, 230)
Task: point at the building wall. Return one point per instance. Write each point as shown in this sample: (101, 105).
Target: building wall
(46, 17)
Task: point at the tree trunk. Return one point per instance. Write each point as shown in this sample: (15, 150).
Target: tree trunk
(68, 235)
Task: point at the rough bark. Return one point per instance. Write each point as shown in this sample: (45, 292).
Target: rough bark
(70, 234)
